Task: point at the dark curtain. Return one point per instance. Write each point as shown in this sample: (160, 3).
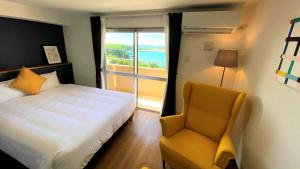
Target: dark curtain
(96, 36)
(175, 20)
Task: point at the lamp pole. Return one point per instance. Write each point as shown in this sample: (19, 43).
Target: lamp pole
(226, 58)
(222, 76)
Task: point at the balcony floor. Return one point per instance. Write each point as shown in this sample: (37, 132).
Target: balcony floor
(150, 103)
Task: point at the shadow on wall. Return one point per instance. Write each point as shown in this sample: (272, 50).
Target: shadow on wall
(254, 111)
(206, 74)
(240, 125)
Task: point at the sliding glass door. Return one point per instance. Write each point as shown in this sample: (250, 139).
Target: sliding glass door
(120, 61)
(136, 63)
(152, 72)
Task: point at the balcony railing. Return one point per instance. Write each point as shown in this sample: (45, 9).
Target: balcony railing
(150, 92)
(141, 63)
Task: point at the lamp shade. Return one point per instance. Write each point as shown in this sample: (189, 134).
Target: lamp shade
(227, 58)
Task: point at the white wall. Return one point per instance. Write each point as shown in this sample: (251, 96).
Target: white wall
(211, 19)
(272, 136)
(196, 65)
(79, 46)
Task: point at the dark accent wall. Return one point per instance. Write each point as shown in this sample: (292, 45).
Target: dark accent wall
(21, 42)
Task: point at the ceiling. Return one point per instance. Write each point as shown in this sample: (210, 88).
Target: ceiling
(108, 6)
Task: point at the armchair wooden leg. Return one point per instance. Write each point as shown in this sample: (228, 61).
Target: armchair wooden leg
(164, 164)
(232, 165)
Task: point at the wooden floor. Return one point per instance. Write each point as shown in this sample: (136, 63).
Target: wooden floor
(134, 145)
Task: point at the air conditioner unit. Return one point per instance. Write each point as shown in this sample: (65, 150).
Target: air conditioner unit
(212, 22)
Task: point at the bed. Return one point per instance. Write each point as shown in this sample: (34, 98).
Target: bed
(63, 127)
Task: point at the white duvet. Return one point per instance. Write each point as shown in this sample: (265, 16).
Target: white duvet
(61, 128)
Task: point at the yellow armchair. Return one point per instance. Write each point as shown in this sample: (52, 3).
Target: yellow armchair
(199, 138)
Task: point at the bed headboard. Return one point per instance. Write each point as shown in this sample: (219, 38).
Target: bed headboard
(64, 72)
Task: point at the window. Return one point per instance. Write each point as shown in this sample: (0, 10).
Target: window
(136, 63)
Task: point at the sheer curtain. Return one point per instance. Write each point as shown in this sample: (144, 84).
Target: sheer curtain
(166, 30)
(103, 61)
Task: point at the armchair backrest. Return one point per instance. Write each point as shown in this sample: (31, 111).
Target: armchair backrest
(210, 110)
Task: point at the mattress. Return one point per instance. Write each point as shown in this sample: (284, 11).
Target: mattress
(63, 127)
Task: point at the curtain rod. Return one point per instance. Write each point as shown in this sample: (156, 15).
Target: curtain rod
(133, 14)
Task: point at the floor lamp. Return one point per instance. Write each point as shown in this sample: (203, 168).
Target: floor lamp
(226, 58)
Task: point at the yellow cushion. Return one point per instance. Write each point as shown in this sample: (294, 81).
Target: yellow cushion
(188, 150)
(209, 110)
(28, 81)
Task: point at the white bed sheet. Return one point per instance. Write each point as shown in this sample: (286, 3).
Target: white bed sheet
(63, 127)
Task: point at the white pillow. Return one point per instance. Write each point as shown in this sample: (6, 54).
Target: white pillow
(51, 82)
(8, 93)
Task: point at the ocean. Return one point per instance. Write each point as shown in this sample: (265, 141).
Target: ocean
(151, 56)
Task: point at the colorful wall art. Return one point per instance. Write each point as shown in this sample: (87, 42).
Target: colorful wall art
(288, 71)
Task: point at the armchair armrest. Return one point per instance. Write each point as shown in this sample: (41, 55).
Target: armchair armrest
(225, 151)
(172, 124)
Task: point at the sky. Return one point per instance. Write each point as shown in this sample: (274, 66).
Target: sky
(156, 39)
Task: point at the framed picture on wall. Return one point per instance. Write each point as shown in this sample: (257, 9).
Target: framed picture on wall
(52, 54)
